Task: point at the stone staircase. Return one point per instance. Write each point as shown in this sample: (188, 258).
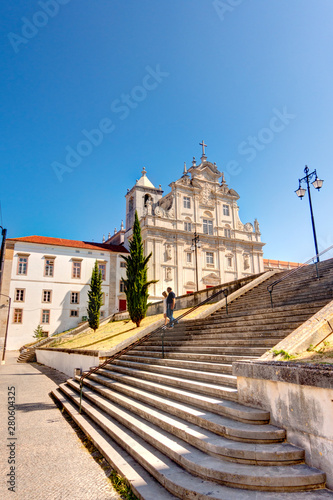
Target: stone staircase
(173, 427)
(28, 354)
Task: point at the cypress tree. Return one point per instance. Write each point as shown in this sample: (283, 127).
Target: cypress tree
(95, 298)
(136, 284)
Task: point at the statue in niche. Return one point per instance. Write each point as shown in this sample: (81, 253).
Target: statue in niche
(168, 252)
(246, 262)
(149, 204)
(168, 272)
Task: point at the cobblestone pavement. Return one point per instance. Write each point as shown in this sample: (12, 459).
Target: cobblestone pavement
(51, 463)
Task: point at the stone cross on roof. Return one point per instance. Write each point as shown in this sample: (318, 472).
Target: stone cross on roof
(204, 157)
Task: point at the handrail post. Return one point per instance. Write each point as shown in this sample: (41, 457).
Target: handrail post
(162, 344)
(270, 294)
(225, 293)
(81, 389)
(317, 270)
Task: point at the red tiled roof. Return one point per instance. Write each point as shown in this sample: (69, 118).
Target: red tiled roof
(88, 245)
(281, 262)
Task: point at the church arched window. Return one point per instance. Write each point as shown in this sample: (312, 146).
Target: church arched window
(227, 231)
(187, 224)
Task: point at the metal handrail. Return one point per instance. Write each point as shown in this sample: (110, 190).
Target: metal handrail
(146, 337)
(271, 286)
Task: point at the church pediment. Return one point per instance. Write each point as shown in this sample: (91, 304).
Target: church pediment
(211, 279)
(206, 171)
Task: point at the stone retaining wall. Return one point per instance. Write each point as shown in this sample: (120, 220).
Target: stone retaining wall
(299, 398)
(66, 360)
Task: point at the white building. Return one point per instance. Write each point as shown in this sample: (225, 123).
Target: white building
(198, 205)
(48, 281)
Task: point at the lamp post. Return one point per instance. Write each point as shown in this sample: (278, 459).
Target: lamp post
(196, 244)
(2, 252)
(6, 333)
(317, 184)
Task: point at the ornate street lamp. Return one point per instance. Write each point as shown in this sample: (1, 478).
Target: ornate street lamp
(317, 184)
(196, 244)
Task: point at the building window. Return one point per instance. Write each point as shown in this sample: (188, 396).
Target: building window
(19, 294)
(74, 313)
(49, 267)
(227, 233)
(209, 258)
(47, 295)
(122, 264)
(75, 297)
(187, 226)
(76, 270)
(188, 257)
(102, 269)
(229, 261)
(121, 286)
(22, 266)
(226, 210)
(45, 316)
(207, 226)
(130, 204)
(187, 202)
(18, 314)
(102, 314)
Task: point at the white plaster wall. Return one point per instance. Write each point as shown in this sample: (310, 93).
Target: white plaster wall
(66, 362)
(61, 284)
(305, 412)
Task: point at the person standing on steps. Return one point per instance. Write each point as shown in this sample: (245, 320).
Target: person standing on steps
(171, 302)
(165, 295)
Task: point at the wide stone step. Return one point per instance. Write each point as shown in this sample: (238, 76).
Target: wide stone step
(211, 341)
(203, 439)
(193, 365)
(250, 326)
(276, 322)
(165, 471)
(212, 389)
(218, 335)
(219, 405)
(217, 358)
(213, 377)
(124, 426)
(253, 351)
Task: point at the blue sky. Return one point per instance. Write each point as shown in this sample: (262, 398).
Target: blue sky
(252, 78)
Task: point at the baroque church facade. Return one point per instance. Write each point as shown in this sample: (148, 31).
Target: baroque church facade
(194, 232)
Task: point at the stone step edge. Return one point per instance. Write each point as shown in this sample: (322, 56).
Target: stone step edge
(236, 451)
(208, 365)
(196, 462)
(195, 385)
(186, 372)
(176, 355)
